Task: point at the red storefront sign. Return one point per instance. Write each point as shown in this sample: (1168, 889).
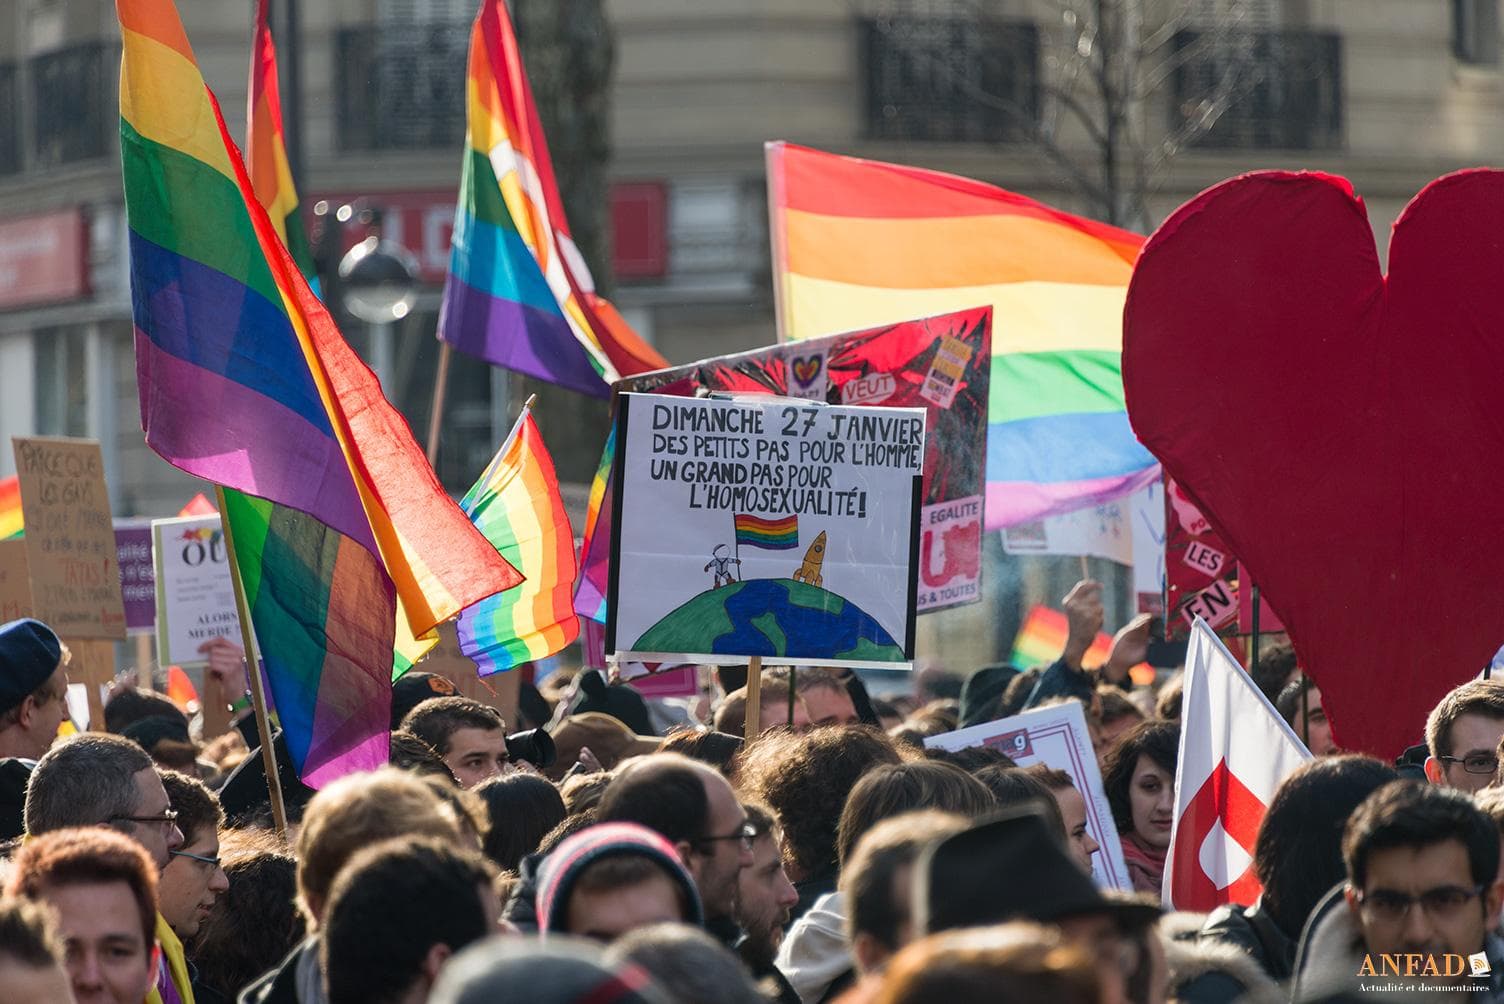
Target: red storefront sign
(423, 222)
(44, 258)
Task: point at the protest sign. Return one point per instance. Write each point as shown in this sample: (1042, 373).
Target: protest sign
(15, 583)
(1147, 506)
(1104, 530)
(1201, 575)
(764, 527)
(941, 364)
(138, 580)
(70, 540)
(1056, 736)
(195, 596)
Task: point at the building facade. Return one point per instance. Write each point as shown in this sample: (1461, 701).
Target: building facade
(1390, 93)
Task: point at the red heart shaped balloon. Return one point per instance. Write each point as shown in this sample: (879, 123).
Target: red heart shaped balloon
(1343, 430)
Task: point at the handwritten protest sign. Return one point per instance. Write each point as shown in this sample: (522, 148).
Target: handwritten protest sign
(15, 584)
(764, 527)
(1056, 736)
(1201, 575)
(70, 538)
(138, 586)
(195, 597)
(941, 364)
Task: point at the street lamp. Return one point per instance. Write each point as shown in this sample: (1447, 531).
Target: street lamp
(377, 285)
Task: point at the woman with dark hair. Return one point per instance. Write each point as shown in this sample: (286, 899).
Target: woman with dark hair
(523, 808)
(253, 924)
(1138, 775)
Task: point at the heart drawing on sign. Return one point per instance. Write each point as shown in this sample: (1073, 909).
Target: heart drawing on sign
(806, 369)
(1343, 430)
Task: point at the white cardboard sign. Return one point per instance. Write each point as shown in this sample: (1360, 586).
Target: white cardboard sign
(764, 526)
(1057, 736)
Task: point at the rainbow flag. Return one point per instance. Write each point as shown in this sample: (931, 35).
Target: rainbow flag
(518, 293)
(245, 381)
(266, 150)
(1041, 639)
(769, 534)
(595, 556)
(858, 243)
(516, 504)
(11, 524)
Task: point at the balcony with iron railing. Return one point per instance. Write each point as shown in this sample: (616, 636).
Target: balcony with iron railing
(1247, 90)
(948, 77)
(401, 87)
(72, 101)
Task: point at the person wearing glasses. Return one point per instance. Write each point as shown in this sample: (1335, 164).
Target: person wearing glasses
(1422, 880)
(193, 879)
(1462, 736)
(103, 780)
(692, 806)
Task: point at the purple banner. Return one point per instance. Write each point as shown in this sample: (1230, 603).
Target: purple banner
(138, 582)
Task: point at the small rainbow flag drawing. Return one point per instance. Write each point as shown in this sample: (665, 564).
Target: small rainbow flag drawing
(769, 534)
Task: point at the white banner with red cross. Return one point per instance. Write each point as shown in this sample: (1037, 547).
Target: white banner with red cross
(1235, 750)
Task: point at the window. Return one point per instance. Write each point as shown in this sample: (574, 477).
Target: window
(10, 120)
(69, 95)
(1259, 90)
(62, 382)
(402, 86)
(948, 74)
(1475, 31)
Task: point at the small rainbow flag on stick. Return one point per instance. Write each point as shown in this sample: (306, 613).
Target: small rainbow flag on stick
(769, 534)
(1041, 639)
(517, 506)
(10, 508)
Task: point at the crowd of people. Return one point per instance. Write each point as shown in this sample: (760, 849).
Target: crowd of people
(610, 849)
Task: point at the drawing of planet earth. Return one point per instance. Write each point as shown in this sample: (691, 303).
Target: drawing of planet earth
(773, 618)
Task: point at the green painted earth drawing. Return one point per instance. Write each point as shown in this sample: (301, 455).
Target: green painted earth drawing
(772, 618)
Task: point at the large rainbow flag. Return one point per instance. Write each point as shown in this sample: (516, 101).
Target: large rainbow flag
(245, 381)
(11, 523)
(518, 293)
(516, 504)
(858, 243)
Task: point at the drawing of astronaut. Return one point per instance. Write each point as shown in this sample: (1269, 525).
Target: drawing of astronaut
(722, 564)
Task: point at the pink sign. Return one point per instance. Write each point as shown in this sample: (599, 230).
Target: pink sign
(43, 259)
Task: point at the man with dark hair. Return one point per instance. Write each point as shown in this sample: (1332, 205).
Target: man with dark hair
(1462, 736)
(1297, 857)
(878, 881)
(1422, 878)
(193, 878)
(445, 899)
(764, 894)
(612, 878)
(470, 736)
(31, 955)
(103, 889)
(692, 806)
(805, 778)
(33, 703)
